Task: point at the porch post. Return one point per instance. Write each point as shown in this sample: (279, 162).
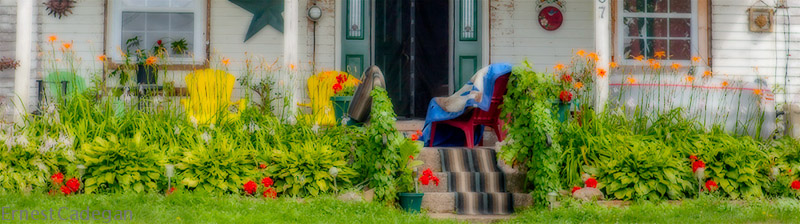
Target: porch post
(24, 47)
(290, 52)
(602, 42)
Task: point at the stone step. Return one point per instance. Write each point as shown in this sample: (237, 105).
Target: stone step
(470, 218)
(514, 183)
(445, 202)
(433, 160)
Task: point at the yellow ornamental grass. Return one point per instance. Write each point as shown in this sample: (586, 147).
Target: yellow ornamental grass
(320, 91)
(209, 96)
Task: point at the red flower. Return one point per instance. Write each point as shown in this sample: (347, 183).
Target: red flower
(267, 181)
(796, 185)
(411, 157)
(711, 185)
(424, 179)
(414, 137)
(337, 87)
(57, 178)
(575, 188)
(428, 176)
(171, 190)
(566, 78)
(419, 133)
(270, 193)
(435, 180)
(427, 172)
(65, 190)
(565, 96)
(250, 187)
(159, 42)
(341, 78)
(73, 184)
(591, 182)
(693, 157)
(262, 166)
(698, 164)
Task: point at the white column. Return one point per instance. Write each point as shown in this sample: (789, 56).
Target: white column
(602, 46)
(24, 48)
(290, 51)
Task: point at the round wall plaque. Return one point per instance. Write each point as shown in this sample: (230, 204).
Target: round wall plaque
(550, 18)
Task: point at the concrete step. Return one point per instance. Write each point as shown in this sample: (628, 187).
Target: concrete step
(470, 218)
(445, 202)
(514, 183)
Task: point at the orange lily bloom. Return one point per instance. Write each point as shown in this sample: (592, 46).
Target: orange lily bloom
(578, 85)
(581, 52)
(151, 60)
(593, 56)
(52, 38)
(601, 72)
(631, 80)
(696, 59)
(101, 57)
(757, 92)
(655, 65)
(639, 58)
(689, 78)
(676, 66)
(724, 83)
(226, 61)
(66, 46)
(612, 64)
(559, 67)
(660, 54)
(707, 73)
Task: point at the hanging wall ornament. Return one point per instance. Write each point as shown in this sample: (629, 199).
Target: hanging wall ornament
(59, 8)
(550, 14)
(265, 12)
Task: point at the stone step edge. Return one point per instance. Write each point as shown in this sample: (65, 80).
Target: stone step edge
(513, 182)
(445, 202)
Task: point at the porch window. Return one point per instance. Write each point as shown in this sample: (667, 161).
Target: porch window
(650, 26)
(166, 20)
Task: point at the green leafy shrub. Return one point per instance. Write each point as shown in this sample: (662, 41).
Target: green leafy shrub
(303, 169)
(121, 165)
(217, 167)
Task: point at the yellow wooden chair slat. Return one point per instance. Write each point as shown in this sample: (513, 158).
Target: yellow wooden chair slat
(209, 96)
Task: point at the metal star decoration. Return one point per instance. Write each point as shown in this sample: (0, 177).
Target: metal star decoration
(265, 12)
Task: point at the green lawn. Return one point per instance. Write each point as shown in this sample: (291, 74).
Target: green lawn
(191, 208)
(705, 210)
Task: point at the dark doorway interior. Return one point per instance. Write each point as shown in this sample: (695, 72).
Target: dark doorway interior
(412, 83)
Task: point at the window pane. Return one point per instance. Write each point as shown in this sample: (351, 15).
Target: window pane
(680, 6)
(659, 6)
(634, 27)
(680, 27)
(182, 22)
(153, 37)
(634, 6)
(657, 27)
(634, 48)
(157, 21)
(680, 49)
(655, 45)
(133, 21)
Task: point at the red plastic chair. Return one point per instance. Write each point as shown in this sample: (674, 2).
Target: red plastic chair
(489, 118)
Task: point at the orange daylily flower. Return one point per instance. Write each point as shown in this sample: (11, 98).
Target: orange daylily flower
(660, 54)
(651, 61)
(689, 78)
(52, 38)
(655, 65)
(559, 67)
(291, 66)
(151, 60)
(101, 57)
(724, 83)
(676, 66)
(639, 58)
(696, 59)
(593, 56)
(226, 61)
(631, 80)
(581, 52)
(612, 64)
(578, 85)
(707, 73)
(66, 46)
(601, 72)
(757, 92)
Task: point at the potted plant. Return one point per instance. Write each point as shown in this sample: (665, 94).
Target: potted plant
(342, 95)
(179, 46)
(146, 63)
(411, 202)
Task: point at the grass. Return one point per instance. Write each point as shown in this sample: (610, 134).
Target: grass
(194, 208)
(704, 210)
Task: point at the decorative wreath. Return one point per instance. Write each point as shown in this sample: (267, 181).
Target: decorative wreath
(59, 8)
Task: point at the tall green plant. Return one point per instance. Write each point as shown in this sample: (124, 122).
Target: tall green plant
(122, 165)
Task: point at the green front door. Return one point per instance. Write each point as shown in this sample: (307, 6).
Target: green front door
(356, 31)
(467, 41)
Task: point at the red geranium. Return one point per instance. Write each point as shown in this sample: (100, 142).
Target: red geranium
(575, 188)
(65, 190)
(171, 190)
(711, 185)
(411, 157)
(337, 87)
(796, 185)
(419, 133)
(565, 96)
(341, 78)
(591, 182)
(250, 187)
(698, 164)
(414, 137)
(270, 193)
(693, 157)
(267, 181)
(73, 184)
(566, 78)
(262, 166)
(428, 176)
(57, 178)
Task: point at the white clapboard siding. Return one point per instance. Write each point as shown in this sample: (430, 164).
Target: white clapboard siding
(516, 34)
(744, 55)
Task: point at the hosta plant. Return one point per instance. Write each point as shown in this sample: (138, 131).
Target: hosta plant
(216, 167)
(303, 168)
(122, 165)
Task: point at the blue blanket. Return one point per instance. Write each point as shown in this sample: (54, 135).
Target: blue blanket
(451, 136)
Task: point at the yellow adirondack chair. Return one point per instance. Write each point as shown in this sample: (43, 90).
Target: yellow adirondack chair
(320, 91)
(209, 96)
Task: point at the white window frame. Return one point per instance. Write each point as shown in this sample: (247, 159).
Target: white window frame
(199, 45)
(620, 37)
